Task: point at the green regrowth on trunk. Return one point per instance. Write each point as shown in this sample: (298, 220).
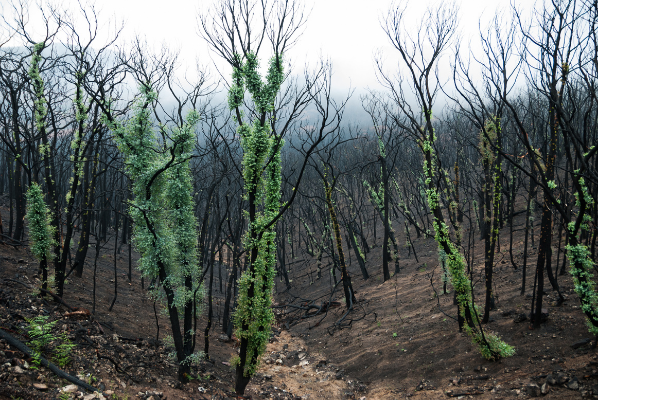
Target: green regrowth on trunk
(581, 263)
(583, 282)
(35, 76)
(40, 110)
(490, 345)
(39, 220)
(164, 224)
(262, 182)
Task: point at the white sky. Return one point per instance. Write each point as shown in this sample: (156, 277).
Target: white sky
(347, 31)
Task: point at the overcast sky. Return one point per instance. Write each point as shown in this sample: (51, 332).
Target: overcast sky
(347, 31)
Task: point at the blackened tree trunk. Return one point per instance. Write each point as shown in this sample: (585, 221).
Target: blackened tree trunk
(511, 215)
(546, 232)
(350, 298)
(282, 254)
(87, 205)
(489, 243)
(459, 209)
(20, 203)
(19, 191)
(182, 342)
(385, 247)
(544, 251)
(226, 323)
(357, 253)
(208, 326)
(529, 226)
(492, 170)
(364, 242)
(43, 268)
(481, 210)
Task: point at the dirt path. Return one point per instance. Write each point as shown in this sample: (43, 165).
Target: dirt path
(291, 366)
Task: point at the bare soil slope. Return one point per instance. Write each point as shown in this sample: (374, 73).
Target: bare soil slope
(400, 341)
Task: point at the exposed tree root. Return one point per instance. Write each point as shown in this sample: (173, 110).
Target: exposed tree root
(117, 367)
(43, 291)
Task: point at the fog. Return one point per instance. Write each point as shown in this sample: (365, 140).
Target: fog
(348, 33)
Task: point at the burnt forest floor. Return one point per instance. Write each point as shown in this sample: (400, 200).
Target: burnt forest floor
(400, 340)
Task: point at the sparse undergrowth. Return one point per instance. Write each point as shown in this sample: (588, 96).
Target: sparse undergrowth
(385, 353)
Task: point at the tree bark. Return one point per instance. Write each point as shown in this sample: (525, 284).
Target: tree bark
(357, 253)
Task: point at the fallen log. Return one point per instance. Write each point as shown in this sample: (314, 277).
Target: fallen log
(464, 393)
(58, 372)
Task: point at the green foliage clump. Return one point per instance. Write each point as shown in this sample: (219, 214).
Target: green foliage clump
(164, 229)
(376, 196)
(583, 281)
(253, 317)
(491, 346)
(162, 209)
(194, 358)
(39, 219)
(42, 338)
(77, 143)
(581, 263)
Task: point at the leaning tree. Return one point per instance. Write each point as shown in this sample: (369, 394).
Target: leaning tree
(420, 54)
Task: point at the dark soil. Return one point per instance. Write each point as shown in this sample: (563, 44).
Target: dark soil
(400, 340)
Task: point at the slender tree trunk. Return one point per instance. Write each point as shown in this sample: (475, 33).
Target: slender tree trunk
(529, 227)
(19, 194)
(189, 332)
(357, 253)
(282, 250)
(208, 326)
(481, 211)
(177, 334)
(546, 233)
(459, 211)
(511, 218)
(226, 323)
(410, 241)
(77, 156)
(319, 263)
(43, 268)
(490, 240)
(559, 249)
(385, 255)
(12, 197)
(364, 242)
(20, 202)
(117, 224)
(97, 248)
(542, 253)
(350, 298)
(87, 205)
